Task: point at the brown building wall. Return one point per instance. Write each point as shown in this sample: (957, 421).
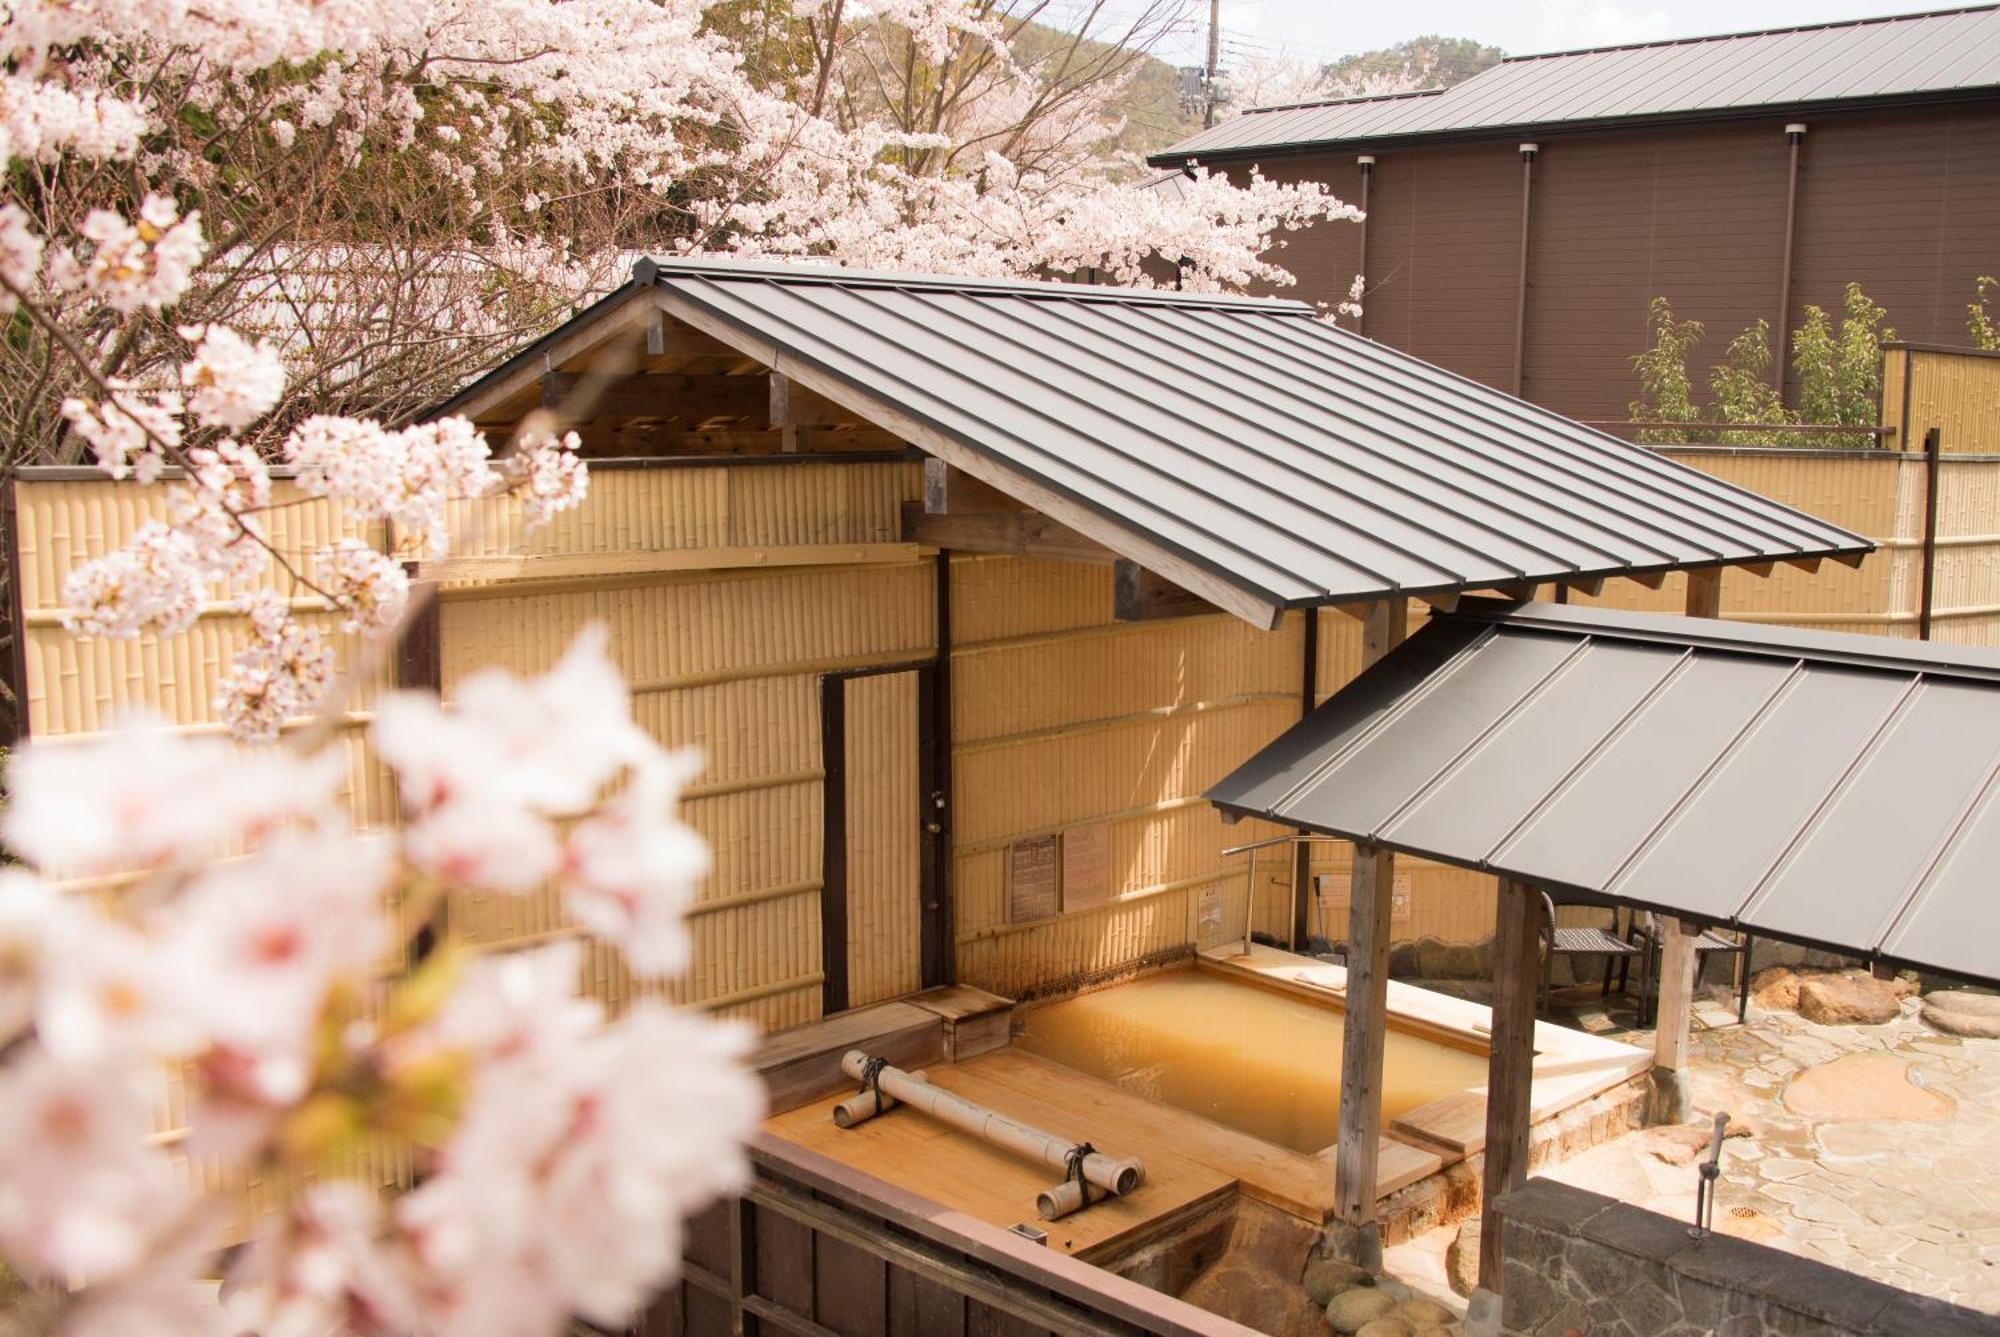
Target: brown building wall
(1905, 202)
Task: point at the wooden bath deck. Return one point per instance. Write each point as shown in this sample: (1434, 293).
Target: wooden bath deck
(1190, 1162)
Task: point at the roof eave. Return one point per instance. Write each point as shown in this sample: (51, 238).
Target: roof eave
(1231, 154)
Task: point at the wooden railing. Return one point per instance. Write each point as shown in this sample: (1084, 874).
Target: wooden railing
(817, 1249)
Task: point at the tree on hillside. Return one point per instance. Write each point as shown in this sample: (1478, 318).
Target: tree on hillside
(1421, 62)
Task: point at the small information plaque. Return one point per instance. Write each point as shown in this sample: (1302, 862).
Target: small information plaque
(1208, 909)
(1335, 890)
(1033, 890)
(1086, 866)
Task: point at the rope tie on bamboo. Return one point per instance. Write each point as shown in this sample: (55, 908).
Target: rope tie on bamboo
(871, 1078)
(1073, 1168)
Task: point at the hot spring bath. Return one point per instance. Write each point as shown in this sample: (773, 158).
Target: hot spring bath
(1252, 1058)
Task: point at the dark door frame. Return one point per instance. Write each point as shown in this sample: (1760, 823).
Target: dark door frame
(933, 831)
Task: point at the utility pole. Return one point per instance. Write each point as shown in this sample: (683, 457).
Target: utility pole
(1214, 58)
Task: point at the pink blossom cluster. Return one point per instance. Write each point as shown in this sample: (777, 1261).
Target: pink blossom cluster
(245, 947)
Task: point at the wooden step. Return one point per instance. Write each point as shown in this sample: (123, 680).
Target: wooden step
(975, 1021)
(801, 1065)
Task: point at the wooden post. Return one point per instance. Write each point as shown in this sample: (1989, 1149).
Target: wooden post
(1669, 1103)
(1370, 902)
(1510, 1065)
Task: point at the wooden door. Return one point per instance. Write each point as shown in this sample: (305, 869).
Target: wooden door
(879, 868)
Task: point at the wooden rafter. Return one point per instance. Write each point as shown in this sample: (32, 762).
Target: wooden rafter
(1008, 533)
(1139, 595)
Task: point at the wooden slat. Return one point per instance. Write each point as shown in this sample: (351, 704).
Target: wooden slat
(951, 491)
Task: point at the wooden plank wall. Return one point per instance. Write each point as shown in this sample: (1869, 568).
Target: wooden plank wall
(815, 1247)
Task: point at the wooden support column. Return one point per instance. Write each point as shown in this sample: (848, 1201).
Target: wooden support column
(1355, 1236)
(1517, 972)
(1302, 852)
(1670, 1101)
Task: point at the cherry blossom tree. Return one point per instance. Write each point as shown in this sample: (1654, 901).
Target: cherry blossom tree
(195, 922)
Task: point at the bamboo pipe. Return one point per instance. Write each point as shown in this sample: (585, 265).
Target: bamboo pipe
(863, 1106)
(1113, 1175)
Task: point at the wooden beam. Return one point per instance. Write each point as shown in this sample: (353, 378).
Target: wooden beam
(618, 323)
(688, 399)
(1517, 971)
(1371, 905)
(1443, 603)
(1809, 565)
(1652, 580)
(601, 441)
(1704, 592)
(1591, 587)
(1006, 533)
(1139, 595)
(1759, 569)
(949, 491)
(1245, 600)
(1519, 592)
(792, 405)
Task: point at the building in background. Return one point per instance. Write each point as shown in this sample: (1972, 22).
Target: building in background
(1519, 222)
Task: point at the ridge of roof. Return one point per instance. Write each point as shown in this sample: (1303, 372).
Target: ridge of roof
(1344, 101)
(1872, 21)
(653, 271)
(1933, 56)
(1851, 649)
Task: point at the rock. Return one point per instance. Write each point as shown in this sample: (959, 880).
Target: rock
(1384, 1327)
(1433, 958)
(1461, 961)
(1867, 1085)
(1776, 988)
(1422, 1313)
(1242, 1290)
(1962, 1012)
(1350, 1309)
(1403, 960)
(1328, 1277)
(1461, 1259)
(1848, 1000)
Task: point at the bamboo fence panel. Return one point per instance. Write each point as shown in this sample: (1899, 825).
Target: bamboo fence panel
(1956, 391)
(884, 892)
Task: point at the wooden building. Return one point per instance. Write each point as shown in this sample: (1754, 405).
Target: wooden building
(1520, 222)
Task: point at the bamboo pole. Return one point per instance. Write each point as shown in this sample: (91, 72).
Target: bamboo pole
(1115, 1175)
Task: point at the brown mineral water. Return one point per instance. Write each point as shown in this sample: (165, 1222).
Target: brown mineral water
(1254, 1059)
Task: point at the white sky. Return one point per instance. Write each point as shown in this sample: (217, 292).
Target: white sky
(1318, 30)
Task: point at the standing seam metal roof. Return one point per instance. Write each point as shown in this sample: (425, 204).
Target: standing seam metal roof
(1837, 790)
(1295, 460)
(1950, 52)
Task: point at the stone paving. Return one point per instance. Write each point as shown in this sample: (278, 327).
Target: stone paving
(1873, 1148)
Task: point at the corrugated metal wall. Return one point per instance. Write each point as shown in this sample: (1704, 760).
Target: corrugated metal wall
(1902, 202)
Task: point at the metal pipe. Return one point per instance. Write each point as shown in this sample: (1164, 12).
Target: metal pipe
(1924, 607)
(1795, 133)
(1528, 152)
(1115, 1175)
(1366, 162)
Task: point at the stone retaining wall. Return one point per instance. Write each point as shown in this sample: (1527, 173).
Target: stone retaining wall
(1576, 1261)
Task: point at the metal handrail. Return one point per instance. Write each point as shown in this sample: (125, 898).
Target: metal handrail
(1250, 873)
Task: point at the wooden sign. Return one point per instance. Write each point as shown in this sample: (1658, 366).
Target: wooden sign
(1336, 890)
(1086, 866)
(1208, 909)
(1033, 887)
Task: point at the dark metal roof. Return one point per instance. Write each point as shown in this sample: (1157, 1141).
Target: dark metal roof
(1909, 56)
(1830, 789)
(1290, 459)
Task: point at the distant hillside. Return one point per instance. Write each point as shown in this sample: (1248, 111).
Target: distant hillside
(1157, 118)
(1430, 61)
